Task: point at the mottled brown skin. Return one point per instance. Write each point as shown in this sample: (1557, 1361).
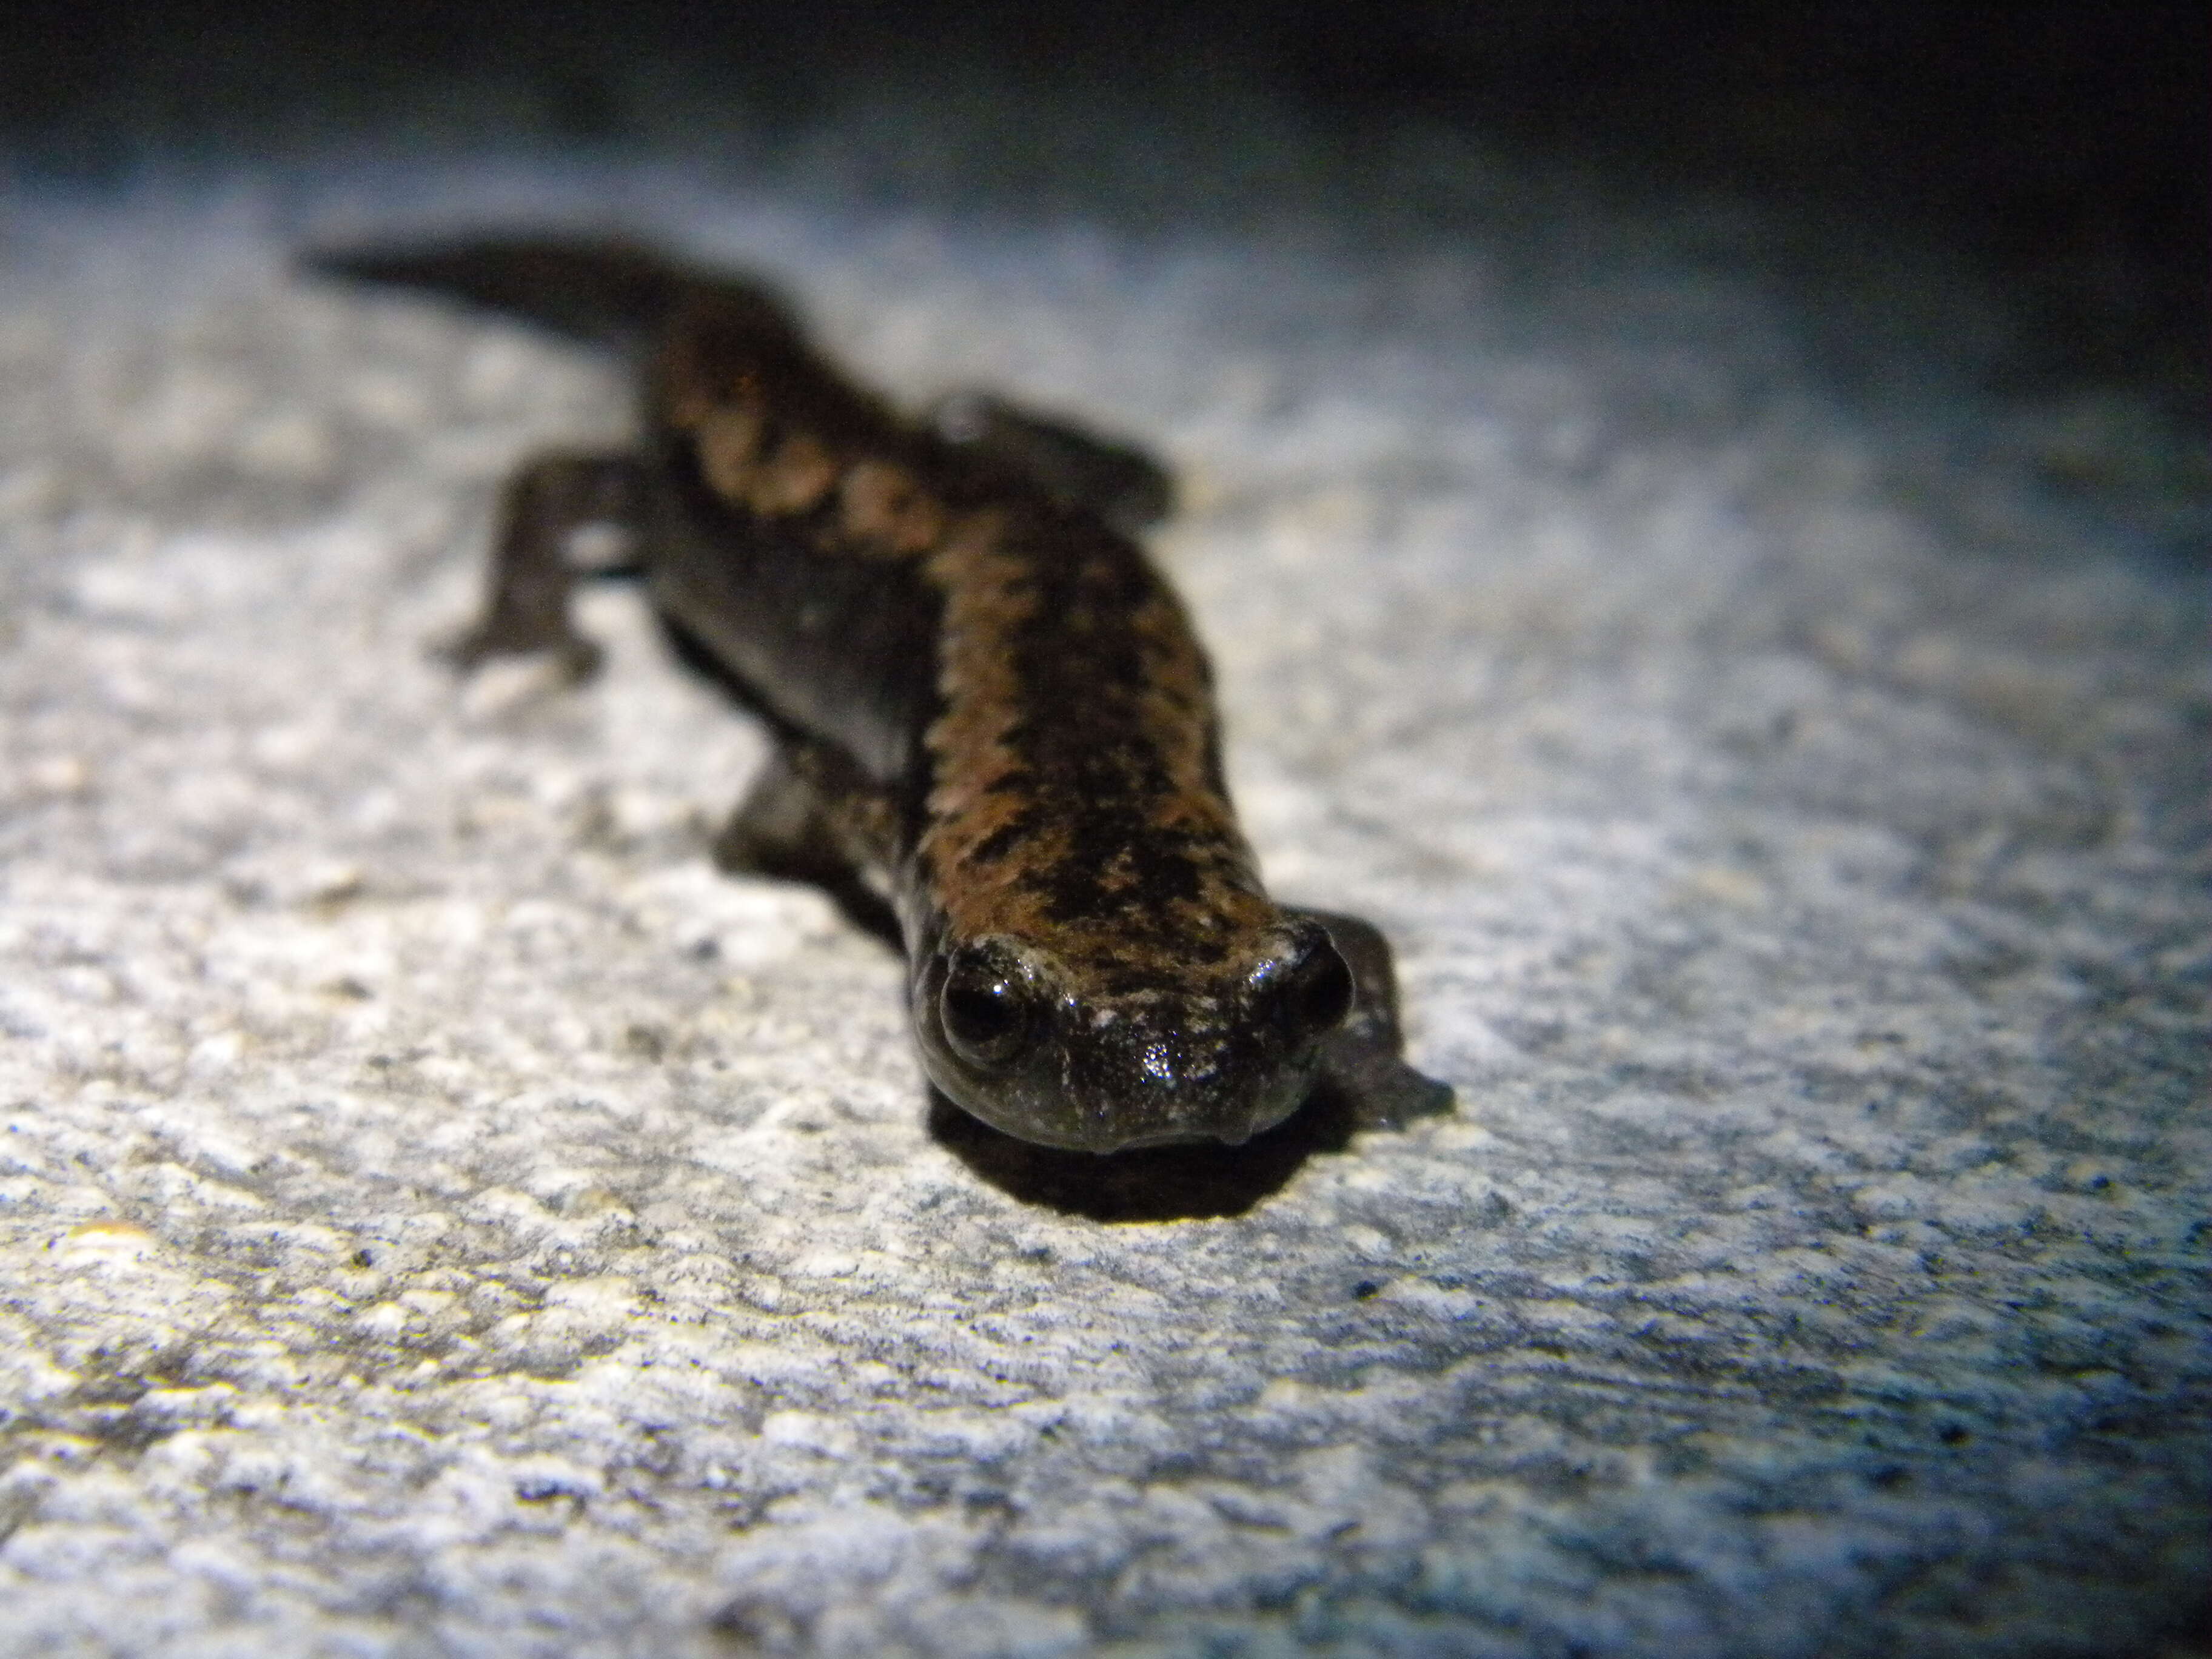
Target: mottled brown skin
(991, 711)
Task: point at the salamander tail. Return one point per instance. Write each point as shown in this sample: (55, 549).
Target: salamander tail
(610, 292)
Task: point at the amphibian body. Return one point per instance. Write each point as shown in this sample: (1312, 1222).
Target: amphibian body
(989, 710)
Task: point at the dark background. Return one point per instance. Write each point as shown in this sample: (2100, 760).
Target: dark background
(2064, 148)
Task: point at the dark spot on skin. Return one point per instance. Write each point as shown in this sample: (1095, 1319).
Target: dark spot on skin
(1159, 867)
(1015, 736)
(1001, 840)
(1204, 952)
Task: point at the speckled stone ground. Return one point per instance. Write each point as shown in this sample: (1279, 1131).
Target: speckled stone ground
(439, 1215)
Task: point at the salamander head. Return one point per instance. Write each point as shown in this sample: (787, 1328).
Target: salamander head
(1064, 1055)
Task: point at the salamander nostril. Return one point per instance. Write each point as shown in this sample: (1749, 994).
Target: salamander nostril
(1316, 992)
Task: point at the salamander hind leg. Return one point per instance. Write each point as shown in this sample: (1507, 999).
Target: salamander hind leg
(1364, 1059)
(544, 504)
(1120, 482)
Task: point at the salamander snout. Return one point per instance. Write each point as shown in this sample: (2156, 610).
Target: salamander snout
(1115, 1058)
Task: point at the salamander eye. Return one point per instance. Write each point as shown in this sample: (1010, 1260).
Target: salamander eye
(1316, 993)
(985, 1009)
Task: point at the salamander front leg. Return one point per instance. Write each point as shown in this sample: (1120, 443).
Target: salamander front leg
(543, 506)
(1364, 1060)
(1119, 482)
(785, 828)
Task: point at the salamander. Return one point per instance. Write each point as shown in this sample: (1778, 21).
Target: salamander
(991, 716)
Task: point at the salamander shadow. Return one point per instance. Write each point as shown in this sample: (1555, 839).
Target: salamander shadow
(1161, 1183)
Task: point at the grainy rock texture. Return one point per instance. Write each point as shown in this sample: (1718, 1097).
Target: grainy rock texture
(439, 1215)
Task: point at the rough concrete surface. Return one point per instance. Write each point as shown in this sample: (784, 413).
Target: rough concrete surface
(439, 1215)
